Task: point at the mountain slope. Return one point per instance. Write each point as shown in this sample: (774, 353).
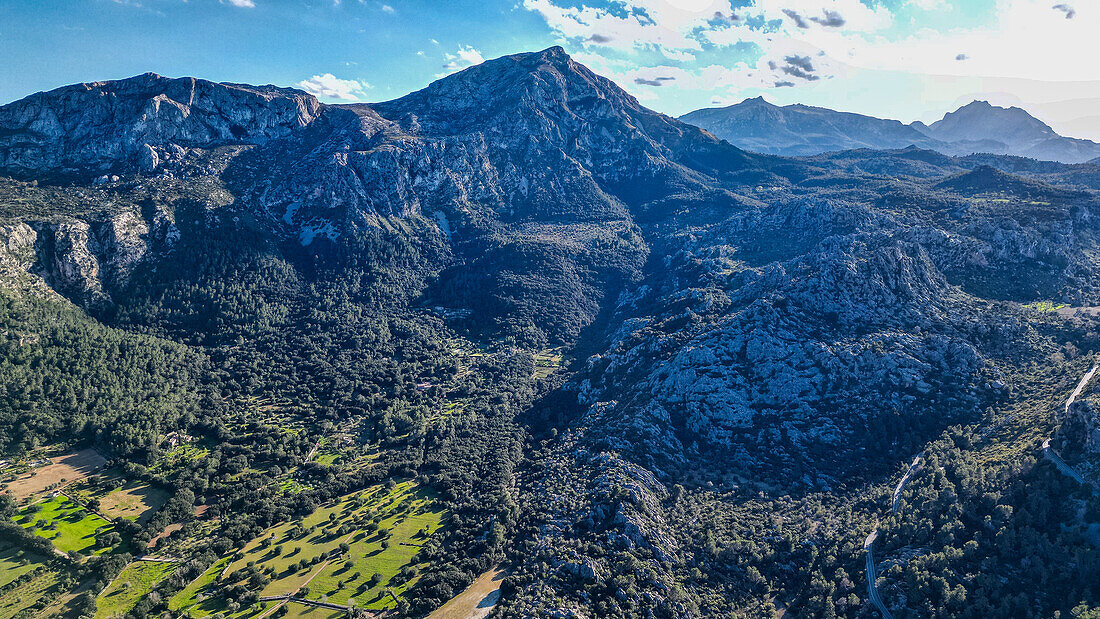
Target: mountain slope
(979, 126)
(653, 374)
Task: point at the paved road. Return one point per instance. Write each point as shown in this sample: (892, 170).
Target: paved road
(869, 543)
(872, 589)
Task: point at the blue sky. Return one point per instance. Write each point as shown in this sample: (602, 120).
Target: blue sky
(904, 59)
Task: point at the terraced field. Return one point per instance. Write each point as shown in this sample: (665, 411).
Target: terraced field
(360, 548)
(18, 601)
(132, 584)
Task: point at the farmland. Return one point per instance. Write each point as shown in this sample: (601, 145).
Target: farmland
(43, 585)
(192, 599)
(134, 583)
(61, 470)
(477, 601)
(361, 547)
(132, 501)
(69, 526)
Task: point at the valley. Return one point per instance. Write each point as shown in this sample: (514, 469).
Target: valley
(515, 345)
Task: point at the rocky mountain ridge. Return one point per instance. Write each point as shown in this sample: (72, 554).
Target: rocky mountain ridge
(750, 334)
(137, 123)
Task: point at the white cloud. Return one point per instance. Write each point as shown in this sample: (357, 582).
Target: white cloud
(683, 31)
(329, 86)
(639, 40)
(932, 5)
(387, 8)
(245, 4)
(1053, 49)
(466, 56)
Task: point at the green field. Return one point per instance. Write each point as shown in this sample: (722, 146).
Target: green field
(187, 600)
(15, 562)
(69, 526)
(132, 584)
(383, 529)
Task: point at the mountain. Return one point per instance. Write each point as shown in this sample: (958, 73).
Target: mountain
(978, 127)
(92, 127)
(981, 127)
(518, 319)
(794, 130)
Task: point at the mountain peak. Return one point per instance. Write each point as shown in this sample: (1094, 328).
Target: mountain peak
(993, 126)
(758, 100)
(536, 85)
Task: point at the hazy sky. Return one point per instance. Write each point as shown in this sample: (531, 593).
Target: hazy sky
(904, 59)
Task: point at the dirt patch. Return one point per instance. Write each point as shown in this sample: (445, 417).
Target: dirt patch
(168, 530)
(1069, 312)
(137, 502)
(477, 601)
(200, 510)
(69, 467)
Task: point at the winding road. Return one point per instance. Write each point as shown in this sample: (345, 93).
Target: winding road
(869, 543)
(1052, 455)
(1048, 453)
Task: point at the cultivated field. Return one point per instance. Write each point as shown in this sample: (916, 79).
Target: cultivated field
(16, 602)
(134, 501)
(61, 471)
(191, 599)
(132, 584)
(15, 563)
(360, 548)
(69, 526)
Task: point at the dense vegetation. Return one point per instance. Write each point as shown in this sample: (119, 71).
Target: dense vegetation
(646, 372)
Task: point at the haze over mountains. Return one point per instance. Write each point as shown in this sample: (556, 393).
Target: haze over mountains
(649, 372)
(801, 130)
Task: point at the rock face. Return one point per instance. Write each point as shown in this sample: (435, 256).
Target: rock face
(463, 151)
(793, 324)
(137, 122)
(85, 261)
(1079, 432)
(466, 143)
(977, 127)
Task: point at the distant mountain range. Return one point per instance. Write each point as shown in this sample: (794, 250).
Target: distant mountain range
(801, 130)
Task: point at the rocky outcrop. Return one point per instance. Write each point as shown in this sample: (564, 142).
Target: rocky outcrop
(85, 261)
(137, 123)
(1078, 434)
(17, 253)
(69, 260)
